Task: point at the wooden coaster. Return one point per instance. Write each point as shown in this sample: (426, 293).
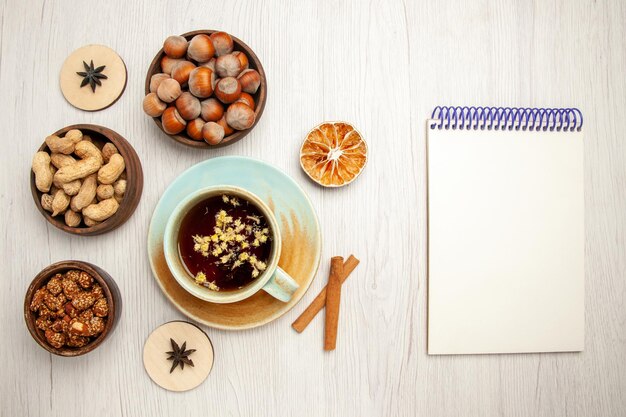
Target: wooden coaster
(158, 366)
(110, 88)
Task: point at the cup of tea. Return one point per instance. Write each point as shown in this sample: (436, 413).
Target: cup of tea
(222, 244)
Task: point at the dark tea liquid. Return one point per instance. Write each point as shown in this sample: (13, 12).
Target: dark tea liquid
(199, 224)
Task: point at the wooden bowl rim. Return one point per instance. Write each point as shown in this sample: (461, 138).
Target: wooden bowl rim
(238, 134)
(47, 273)
(134, 178)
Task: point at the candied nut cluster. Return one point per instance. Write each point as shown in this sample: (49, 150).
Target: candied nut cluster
(71, 309)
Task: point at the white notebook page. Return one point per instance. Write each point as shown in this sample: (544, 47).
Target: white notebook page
(506, 241)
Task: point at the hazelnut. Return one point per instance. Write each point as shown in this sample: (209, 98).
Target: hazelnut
(172, 121)
(169, 90)
(212, 133)
(194, 129)
(228, 89)
(200, 84)
(239, 116)
(188, 106)
(175, 46)
(167, 63)
(209, 64)
(246, 99)
(222, 42)
(153, 106)
(211, 110)
(200, 48)
(155, 80)
(228, 66)
(250, 80)
(227, 129)
(243, 58)
(181, 71)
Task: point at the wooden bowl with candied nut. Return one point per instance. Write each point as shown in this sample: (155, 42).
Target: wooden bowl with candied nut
(71, 307)
(205, 89)
(86, 179)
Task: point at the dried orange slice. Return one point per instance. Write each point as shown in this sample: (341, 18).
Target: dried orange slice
(333, 154)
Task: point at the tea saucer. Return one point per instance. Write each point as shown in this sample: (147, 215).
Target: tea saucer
(299, 228)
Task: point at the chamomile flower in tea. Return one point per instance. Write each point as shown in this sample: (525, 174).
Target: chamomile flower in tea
(225, 242)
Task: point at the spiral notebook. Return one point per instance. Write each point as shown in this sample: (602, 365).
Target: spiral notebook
(505, 230)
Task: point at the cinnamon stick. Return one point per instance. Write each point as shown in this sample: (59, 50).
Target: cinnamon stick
(333, 299)
(318, 303)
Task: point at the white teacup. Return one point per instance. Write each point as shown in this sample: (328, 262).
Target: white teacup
(273, 280)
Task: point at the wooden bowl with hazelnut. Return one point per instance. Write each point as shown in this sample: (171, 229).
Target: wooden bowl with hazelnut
(86, 179)
(72, 307)
(205, 89)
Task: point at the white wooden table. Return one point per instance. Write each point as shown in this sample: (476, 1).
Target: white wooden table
(382, 65)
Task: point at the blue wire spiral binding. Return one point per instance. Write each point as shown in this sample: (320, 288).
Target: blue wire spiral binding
(507, 118)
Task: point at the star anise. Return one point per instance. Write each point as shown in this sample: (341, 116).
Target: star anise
(179, 355)
(92, 76)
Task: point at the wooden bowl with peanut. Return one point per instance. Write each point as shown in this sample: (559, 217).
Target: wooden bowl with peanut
(71, 307)
(205, 89)
(86, 179)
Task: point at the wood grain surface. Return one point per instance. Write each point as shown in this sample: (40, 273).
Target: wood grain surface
(383, 65)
